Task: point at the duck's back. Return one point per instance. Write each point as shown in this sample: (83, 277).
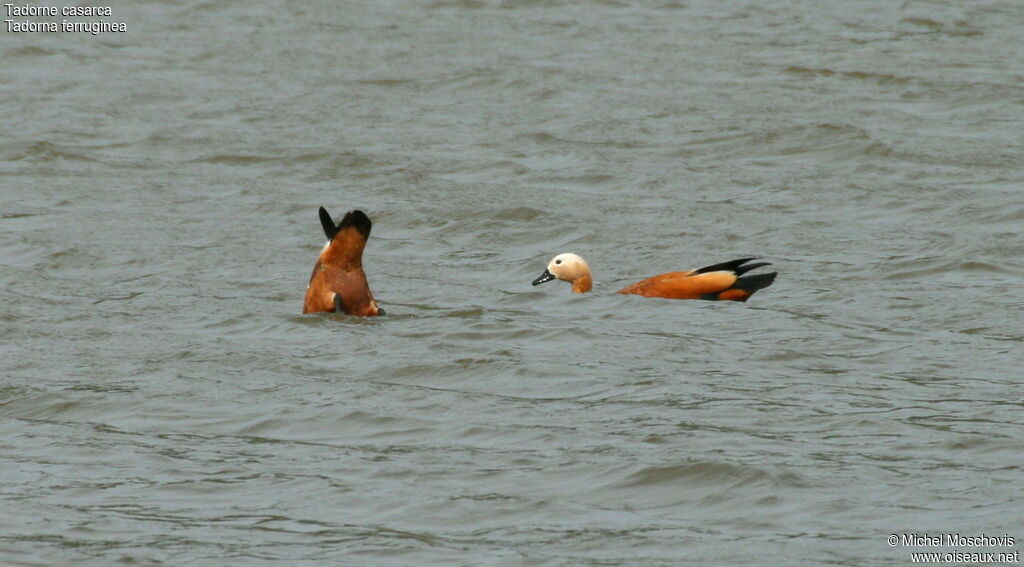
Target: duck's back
(338, 282)
(682, 285)
(718, 282)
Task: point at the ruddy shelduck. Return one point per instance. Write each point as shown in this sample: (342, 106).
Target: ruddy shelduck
(338, 282)
(715, 283)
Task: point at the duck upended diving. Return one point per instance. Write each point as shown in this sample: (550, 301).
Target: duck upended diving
(720, 282)
(338, 282)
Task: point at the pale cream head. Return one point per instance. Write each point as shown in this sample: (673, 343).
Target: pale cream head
(568, 267)
(571, 268)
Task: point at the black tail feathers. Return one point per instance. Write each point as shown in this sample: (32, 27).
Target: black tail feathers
(357, 219)
(753, 283)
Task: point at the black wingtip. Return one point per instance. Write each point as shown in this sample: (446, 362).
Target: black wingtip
(735, 266)
(744, 269)
(359, 220)
(325, 220)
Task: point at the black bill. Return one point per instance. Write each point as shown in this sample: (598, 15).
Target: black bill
(545, 277)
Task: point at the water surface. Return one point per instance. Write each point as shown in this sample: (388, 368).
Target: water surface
(163, 402)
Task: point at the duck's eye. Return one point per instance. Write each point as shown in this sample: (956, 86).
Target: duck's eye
(558, 261)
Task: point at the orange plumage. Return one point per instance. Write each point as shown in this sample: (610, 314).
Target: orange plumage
(723, 281)
(338, 282)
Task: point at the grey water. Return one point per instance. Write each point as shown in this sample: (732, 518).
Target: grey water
(163, 402)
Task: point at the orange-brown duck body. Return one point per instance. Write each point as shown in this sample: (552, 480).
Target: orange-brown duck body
(338, 282)
(719, 282)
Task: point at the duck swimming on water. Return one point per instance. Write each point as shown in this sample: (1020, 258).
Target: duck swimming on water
(338, 282)
(720, 282)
